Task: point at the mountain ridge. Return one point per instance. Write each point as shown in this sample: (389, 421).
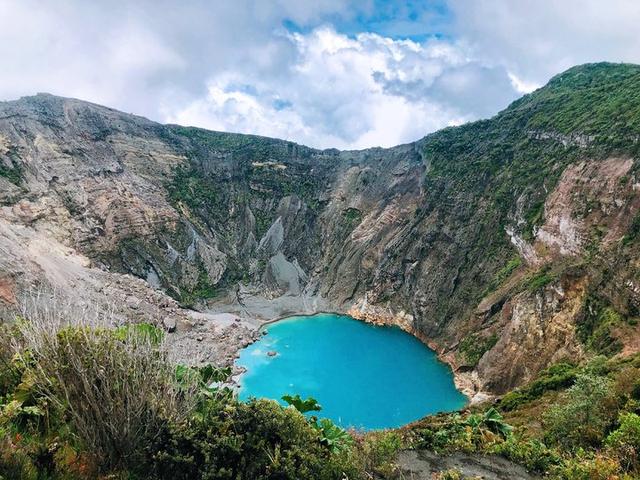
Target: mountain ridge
(494, 241)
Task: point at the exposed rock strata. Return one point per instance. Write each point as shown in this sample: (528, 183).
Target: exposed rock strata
(457, 238)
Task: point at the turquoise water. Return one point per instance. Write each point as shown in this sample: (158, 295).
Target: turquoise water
(364, 376)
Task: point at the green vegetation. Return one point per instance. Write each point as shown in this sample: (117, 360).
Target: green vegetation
(597, 326)
(352, 217)
(556, 377)
(105, 402)
(144, 331)
(601, 339)
(503, 274)
(230, 439)
(334, 437)
(13, 174)
(600, 99)
(493, 174)
(582, 416)
(589, 430)
(81, 402)
(192, 189)
(634, 231)
(624, 442)
(253, 146)
(255, 182)
(447, 433)
(148, 419)
(533, 218)
(202, 290)
(475, 346)
(302, 405)
(538, 280)
(11, 168)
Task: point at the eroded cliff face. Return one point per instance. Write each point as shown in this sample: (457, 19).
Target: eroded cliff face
(505, 244)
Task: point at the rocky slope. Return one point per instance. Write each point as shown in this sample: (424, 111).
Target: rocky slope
(507, 244)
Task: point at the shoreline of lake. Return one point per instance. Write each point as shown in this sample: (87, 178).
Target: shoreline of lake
(425, 382)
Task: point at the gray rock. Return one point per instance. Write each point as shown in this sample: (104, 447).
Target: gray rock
(169, 324)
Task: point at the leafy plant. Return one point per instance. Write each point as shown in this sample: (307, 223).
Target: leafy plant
(532, 454)
(332, 436)
(303, 406)
(488, 421)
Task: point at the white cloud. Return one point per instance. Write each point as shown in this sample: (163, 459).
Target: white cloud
(522, 86)
(349, 92)
(232, 65)
(139, 55)
(536, 40)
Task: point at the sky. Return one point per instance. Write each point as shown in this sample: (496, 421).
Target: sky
(324, 73)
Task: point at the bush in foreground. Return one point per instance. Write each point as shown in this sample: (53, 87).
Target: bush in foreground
(256, 440)
(84, 402)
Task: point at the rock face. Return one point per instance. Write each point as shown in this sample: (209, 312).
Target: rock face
(501, 242)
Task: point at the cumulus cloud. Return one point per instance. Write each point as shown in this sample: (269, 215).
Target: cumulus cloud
(347, 92)
(139, 55)
(286, 68)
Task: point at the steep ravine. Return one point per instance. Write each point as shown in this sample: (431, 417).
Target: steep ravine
(505, 244)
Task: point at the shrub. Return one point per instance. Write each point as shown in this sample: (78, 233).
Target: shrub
(476, 431)
(534, 455)
(258, 440)
(114, 386)
(379, 451)
(625, 440)
(334, 437)
(558, 376)
(585, 467)
(9, 377)
(583, 415)
(115, 405)
(596, 327)
(635, 390)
